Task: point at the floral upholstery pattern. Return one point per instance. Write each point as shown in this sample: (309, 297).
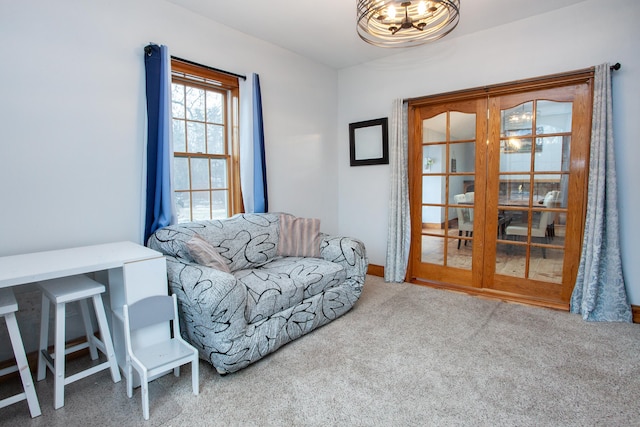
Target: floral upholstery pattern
(267, 300)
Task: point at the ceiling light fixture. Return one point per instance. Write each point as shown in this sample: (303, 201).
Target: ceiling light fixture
(406, 23)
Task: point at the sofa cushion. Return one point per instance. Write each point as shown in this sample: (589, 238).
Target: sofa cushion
(204, 253)
(284, 282)
(299, 237)
(314, 274)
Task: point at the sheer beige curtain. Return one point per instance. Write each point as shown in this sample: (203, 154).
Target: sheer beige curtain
(399, 232)
(599, 293)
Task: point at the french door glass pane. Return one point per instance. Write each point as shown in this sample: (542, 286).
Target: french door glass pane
(460, 253)
(435, 129)
(513, 190)
(510, 260)
(552, 153)
(547, 268)
(553, 117)
(432, 250)
(433, 219)
(434, 158)
(433, 189)
(463, 157)
(462, 126)
(515, 154)
(517, 120)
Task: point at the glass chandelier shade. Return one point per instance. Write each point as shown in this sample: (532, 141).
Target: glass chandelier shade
(406, 23)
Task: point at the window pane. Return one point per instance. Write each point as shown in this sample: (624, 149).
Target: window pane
(553, 117)
(201, 205)
(546, 190)
(513, 190)
(460, 252)
(215, 110)
(180, 173)
(510, 260)
(183, 206)
(220, 204)
(177, 100)
(218, 173)
(435, 128)
(462, 126)
(195, 104)
(433, 189)
(515, 155)
(434, 158)
(432, 218)
(215, 139)
(461, 185)
(517, 120)
(433, 250)
(548, 266)
(463, 157)
(195, 137)
(179, 138)
(199, 174)
(552, 153)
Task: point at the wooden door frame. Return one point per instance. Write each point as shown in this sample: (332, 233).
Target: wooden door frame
(577, 77)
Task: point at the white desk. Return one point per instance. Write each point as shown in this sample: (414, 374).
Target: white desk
(134, 272)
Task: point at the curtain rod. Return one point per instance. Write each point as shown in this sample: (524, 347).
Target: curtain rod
(615, 66)
(147, 50)
(186, 61)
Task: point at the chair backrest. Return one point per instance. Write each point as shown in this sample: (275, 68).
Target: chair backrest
(550, 201)
(151, 311)
(464, 215)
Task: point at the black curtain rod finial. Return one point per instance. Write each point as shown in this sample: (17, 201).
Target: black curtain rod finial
(148, 50)
(616, 66)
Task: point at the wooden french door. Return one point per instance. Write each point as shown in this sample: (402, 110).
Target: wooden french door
(498, 188)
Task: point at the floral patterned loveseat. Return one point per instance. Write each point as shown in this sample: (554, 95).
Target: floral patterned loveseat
(265, 300)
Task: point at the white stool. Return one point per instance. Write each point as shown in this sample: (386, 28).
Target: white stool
(8, 308)
(59, 292)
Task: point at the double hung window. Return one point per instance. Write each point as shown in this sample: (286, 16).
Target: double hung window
(205, 142)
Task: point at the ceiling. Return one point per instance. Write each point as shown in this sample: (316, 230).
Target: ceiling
(325, 31)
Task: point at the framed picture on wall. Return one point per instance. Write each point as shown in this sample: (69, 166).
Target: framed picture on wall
(369, 142)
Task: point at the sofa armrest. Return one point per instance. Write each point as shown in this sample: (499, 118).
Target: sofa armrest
(211, 304)
(348, 252)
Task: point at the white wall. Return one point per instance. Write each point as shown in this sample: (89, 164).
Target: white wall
(575, 37)
(73, 117)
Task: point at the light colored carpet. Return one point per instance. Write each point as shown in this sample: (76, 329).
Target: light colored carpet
(405, 355)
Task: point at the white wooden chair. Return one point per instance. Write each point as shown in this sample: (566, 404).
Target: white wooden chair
(8, 308)
(465, 215)
(159, 357)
